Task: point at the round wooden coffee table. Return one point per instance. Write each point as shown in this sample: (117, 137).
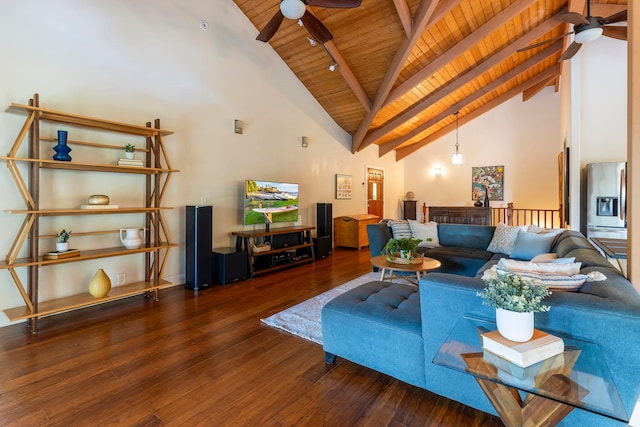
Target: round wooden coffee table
(385, 265)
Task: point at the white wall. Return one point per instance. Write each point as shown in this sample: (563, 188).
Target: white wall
(135, 61)
(523, 137)
(603, 106)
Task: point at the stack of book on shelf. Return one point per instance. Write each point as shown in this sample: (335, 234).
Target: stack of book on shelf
(130, 162)
(62, 254)
(523, 354)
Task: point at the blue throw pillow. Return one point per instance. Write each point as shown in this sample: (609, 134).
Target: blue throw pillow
(528, 245)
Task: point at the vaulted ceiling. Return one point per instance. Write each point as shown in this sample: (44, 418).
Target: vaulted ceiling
(404, 67)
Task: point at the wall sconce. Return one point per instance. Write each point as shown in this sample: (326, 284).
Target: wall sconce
(305, 142)
(437, 171)
(238, 125)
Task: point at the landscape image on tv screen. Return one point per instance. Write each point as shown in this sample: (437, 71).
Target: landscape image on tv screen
(266, 202)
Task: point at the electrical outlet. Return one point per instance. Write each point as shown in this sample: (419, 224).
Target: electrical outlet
(122, 278)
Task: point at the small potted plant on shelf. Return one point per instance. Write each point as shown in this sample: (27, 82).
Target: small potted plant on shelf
(129, 151)
(405, 248)
(62, 244)
(515, 299)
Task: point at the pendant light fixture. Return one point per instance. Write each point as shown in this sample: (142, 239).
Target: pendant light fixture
(456, 160)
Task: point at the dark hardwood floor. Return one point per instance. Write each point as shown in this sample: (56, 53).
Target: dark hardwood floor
(205, 359)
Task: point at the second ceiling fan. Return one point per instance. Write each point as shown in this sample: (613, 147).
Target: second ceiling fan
(587, 29)
(297, 9)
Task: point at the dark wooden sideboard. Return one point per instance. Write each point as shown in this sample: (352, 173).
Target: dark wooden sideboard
(460, 215)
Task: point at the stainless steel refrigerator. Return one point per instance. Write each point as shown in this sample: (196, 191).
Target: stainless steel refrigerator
(607, 200)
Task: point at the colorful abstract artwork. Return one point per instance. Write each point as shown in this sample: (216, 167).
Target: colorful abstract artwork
(489, 177)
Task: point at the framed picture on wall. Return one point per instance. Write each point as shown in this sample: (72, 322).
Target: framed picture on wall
(489, 177)
(344, 186)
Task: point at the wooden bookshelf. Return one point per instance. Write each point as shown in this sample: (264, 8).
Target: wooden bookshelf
(157, 170)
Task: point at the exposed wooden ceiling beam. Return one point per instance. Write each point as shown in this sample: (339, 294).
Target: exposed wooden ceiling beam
(552, 71)
(472, 39)
(462, 80)
(534, 90)
(425, 15)
(348, 75)
(404, 14)
(495, 84)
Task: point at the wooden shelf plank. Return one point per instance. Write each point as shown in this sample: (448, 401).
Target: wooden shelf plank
(91, 167)
(92, 122)
(283, 265)
(280, 250)
(85, 255)
(83, 300)
(272, 232)
(65, 212)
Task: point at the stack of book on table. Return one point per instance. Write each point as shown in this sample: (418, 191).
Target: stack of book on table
(523, 354)
(130, 162)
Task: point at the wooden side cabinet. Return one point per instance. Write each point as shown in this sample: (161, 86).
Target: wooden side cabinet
(409, 209)
(152, 176)
(351, 230)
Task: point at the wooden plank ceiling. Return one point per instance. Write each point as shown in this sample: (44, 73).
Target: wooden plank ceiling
(406, 66)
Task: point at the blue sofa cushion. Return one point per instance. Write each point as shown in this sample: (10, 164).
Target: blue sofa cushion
(378, 325)
(465, 236)
(462, 261)
(392, 304)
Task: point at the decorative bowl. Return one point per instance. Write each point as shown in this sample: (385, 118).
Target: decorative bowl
(397, 259)
(98, 199)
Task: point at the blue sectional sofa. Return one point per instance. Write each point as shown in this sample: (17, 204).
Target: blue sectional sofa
(397, 329)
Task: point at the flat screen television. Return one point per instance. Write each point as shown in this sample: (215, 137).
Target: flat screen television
(268, 202)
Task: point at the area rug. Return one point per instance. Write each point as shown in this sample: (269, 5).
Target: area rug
(303, 319)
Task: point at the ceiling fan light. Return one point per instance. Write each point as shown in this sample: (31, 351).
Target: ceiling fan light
(292, 9)
(588, 35)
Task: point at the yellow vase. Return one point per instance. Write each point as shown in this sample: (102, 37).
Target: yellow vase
(100, 284)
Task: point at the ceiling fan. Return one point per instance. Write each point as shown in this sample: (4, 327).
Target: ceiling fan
(297, 9)
(587, 29)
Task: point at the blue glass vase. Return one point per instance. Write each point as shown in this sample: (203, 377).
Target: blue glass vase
(62, 149)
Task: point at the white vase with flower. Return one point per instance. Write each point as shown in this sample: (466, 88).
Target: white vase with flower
(515, 299)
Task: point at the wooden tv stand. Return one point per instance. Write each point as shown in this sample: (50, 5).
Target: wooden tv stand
(290, 246)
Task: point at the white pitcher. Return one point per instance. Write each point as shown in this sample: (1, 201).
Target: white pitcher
(132, 238)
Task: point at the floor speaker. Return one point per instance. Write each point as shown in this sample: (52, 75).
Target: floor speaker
(322, 246)
(230, 265)
(324, 220)
(199, 268)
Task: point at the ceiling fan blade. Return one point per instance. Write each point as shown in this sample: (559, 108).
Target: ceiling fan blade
(619, 33)
(616, 17)
(571, 51)
(317, 29)
(272, 26)
(333, 3)
(573, 18)
(543, 42)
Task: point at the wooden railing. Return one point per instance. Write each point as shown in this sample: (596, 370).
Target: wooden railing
(545, 218)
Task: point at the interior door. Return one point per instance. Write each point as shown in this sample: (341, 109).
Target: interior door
(375, 192)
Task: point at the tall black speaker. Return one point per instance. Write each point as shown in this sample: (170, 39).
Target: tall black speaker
(199, 256)
(324, 219)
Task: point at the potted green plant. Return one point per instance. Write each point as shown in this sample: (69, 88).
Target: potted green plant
(129, 151)
(404, 248)
(515, 299)
(63, 240)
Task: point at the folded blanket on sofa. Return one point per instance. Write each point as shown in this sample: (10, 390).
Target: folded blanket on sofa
(560, 277)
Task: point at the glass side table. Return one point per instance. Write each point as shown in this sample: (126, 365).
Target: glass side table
(577, 378)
